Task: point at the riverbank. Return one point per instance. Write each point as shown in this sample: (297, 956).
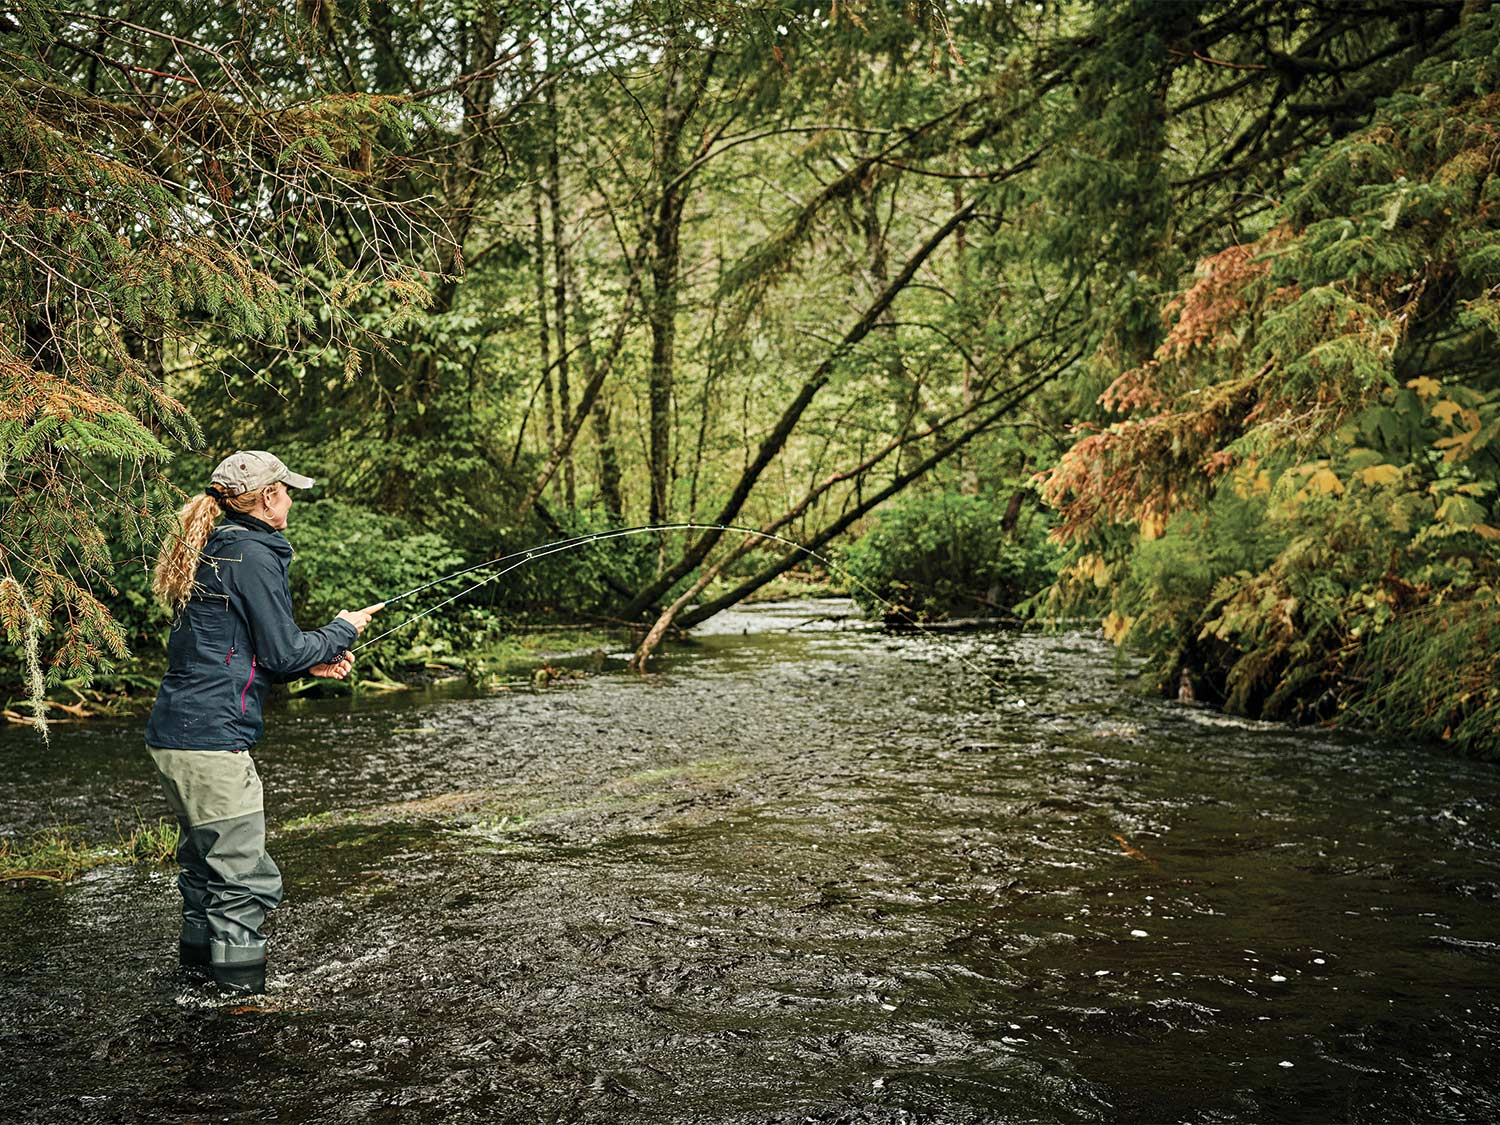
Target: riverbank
(522, 654)
(64, 852)
(545, 647)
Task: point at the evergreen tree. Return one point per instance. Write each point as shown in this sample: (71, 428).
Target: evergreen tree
(1297, 511)
(168, 181)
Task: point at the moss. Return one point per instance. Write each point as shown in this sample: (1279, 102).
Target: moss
(312, 820)
(651, 781)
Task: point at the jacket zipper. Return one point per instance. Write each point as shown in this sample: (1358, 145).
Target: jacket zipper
(248, 682)
(230, 657)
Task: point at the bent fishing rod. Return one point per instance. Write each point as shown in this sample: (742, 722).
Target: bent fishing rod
(573, 542)
(580, 540)
(557, 546)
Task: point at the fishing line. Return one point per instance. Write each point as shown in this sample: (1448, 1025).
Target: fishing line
(557, 546)
(572, 539)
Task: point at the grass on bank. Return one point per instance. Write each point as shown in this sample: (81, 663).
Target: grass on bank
(61, 852)
(519, 653)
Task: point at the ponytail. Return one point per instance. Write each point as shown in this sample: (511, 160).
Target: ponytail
(177, 564)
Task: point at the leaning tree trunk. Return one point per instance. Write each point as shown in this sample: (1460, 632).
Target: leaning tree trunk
(703, 612)
(777, 438)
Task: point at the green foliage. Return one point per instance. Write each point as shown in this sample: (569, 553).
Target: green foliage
(349, 557)
(1160, 596)
(1298, 512)
(947, 553)
(573, 582)
(1453, 646)
(153, 208)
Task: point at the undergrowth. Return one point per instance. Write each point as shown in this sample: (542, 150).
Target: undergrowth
(62, 852)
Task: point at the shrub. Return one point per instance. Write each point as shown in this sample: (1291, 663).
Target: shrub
(576, 580)
(350, 557)
(946, 553)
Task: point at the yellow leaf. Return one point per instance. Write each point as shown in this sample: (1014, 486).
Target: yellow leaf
(1486, 531)
(1380, 474)
(1460, 511)
(1425, 386)
(1091, 567)
(1445, 410)
(1457, 446)
(1152, 525)
(1325, 481)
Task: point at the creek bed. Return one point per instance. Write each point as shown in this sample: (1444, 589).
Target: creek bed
(807, 871)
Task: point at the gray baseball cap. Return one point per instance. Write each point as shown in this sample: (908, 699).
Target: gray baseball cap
(249, 469)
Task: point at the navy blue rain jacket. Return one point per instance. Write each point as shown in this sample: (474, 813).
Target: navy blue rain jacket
(233, 639)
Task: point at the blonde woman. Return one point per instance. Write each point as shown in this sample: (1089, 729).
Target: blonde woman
(225, 578)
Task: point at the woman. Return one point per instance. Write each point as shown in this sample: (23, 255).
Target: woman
(226, 581)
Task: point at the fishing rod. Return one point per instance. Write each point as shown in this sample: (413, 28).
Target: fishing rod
(579, 540)
(557, 546)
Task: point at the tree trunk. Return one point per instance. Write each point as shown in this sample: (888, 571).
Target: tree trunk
(664, 622)
(662, 315)
(544, 332)
(609, 462)
(1013, 511)
(598, 372)
(1012, 514)
(663, 337)
(679, 103)
(559, 282)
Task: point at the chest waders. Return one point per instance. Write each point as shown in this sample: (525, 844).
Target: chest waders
(227, 880)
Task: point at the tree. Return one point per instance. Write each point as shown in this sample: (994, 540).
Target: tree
(161, 192)
(1296, 507)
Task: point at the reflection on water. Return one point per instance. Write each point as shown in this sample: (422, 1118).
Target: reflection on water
(808, 871)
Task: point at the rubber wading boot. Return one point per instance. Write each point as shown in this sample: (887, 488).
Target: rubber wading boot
(245, 977)
(193, 956)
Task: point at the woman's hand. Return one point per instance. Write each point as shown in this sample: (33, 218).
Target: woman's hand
(359, 618)
(334, 671)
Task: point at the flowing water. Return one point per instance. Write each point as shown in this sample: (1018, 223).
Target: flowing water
(808, 871)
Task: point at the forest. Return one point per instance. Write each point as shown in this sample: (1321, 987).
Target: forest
(1177, 319)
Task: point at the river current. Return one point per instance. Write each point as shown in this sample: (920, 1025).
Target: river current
(806, 871)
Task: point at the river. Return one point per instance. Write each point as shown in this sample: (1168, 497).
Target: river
(807, 871)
